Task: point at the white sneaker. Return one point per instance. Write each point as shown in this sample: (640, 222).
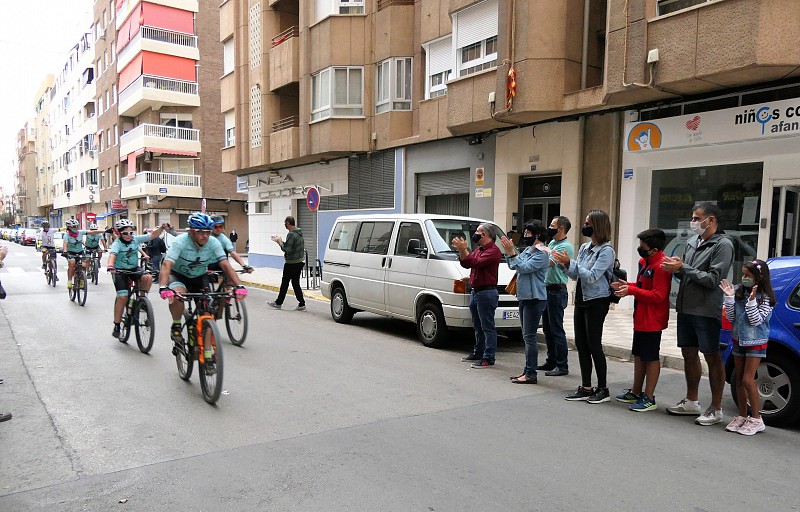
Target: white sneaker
(752, 426)
(710, 417)
(273, 304)
(300, 308)
(685, 407)
(736, 423)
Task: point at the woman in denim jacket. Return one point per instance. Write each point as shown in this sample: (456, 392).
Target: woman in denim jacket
(531, 266)
(592, 270)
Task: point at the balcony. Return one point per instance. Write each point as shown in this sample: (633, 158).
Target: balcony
(162, 139)
(158, 40)
(124, 7)
(284, 141)
(284, 59)
(150, 183)
(154, 92)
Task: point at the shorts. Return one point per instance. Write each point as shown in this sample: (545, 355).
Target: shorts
(192, 284)
(700, 332)
(646, 345)
(122, 283)
(75, 255)
(759, 351)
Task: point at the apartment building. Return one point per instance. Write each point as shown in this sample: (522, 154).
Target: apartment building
(44, 162)
(510, 110)
(72, 125)
(25, 175)
(159, 122)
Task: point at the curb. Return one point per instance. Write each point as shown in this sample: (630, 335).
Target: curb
(312, 294)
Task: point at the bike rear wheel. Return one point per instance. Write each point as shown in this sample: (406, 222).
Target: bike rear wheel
(211, 369)
(184, 353)
(95, 271)
(82, 288)
(236, 322)
(144, 323)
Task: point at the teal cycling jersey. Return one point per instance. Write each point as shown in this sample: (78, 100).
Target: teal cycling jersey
(127, 254)
(92, 241)
(192, 260)
(74, 243)
(227, 245)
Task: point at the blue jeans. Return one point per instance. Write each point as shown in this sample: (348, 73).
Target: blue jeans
(530, 312)
(482, 305)
(553, 327)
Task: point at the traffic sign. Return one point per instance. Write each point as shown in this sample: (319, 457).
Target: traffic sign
(91, 216)
(312, 199)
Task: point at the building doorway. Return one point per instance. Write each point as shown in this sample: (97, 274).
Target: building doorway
(784, 231)
(540, 199)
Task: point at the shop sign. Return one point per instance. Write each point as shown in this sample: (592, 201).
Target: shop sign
(119, 204)
(753, 122)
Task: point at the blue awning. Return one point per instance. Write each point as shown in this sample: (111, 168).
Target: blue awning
(104, 215)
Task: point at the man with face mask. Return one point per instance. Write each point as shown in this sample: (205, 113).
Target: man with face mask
(706, 261)
(557, 297)
(483, 263)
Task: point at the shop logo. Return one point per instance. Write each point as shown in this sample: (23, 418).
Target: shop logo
(644, 136)
(693, 123)
(761, 116)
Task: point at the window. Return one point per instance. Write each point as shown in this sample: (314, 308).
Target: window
(342, 238)
(230, 128)
(475, 36)
(374, 237)
(410, 231)
(393, 85)
(102, 179)
(794, 299)
(325, 8)
(113, 94)
(116, 135)
(263, 207)
(116, 174)
(105, 60)
(113, 52)
(227, 57)
(340, 97)
(108, 102)
(669, 6)
(439, 65)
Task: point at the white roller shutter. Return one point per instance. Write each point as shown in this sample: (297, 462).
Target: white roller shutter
(476, 23)
(443, 183)
(440, 56)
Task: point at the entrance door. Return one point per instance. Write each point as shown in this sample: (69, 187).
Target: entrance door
(788, 230)
(539, 209)
(540, 199)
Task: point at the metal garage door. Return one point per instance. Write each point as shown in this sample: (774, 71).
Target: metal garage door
(446, 192)
(307, 220)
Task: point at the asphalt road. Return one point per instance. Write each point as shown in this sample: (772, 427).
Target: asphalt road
(321, 416)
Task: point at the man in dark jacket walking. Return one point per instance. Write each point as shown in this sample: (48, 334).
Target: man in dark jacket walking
(294, 250)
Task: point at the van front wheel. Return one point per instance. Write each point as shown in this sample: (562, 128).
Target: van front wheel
(431, 327)
(340, 311)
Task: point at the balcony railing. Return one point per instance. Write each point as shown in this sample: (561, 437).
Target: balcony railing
(287, 122)
(286, 34)
(155, 34)
(383, 4)
(160, 83)
(164, 178)
(164, 132)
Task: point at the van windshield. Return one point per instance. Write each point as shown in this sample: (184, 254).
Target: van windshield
(442, 231)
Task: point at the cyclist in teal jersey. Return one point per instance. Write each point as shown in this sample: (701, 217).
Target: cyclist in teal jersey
(73, 247)
(92, 242)
(217, 232)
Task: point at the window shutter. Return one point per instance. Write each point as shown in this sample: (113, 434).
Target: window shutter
(230, 120)
(476, 23)
(440, 56)
(443, 183)
(354, 87)
(340, 86)
(227, 56)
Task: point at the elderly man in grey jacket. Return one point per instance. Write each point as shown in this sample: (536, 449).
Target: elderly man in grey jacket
(706, 261)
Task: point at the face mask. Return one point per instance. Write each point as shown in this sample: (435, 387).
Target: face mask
(644, 253)
(476, 237)
(748, 282)
(551, 233)
(697, 227)
(528, 240)
(587, 231)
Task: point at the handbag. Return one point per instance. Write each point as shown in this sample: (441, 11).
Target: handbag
(511, 287)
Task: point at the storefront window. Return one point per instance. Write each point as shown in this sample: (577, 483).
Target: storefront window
(735, 188)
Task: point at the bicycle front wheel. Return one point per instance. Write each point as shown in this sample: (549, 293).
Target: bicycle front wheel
(95, 271)
(82, 288)
(125, 326)
(73, 289)
(50, 273)
(211, 368)
(143, 322)
(184, 353)
(236, 322)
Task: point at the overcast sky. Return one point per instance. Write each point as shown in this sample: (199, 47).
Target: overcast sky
(35, 36)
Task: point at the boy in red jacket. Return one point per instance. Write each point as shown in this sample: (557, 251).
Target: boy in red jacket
(650, 316)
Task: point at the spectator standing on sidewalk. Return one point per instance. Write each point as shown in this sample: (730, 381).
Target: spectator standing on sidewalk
(293, 249)
(706, 261)
(483, 263)
(592, 270)
(531, 266)
(234, 236)
(650, 317)
(557, 297)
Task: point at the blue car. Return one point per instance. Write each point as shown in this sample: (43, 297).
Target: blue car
(778, 377)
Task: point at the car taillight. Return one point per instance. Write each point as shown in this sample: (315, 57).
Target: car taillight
(460, 285)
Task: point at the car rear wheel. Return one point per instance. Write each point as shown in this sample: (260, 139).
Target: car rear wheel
(778, 384)
(431, 326)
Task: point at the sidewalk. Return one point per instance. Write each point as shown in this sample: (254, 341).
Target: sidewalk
(617, 332)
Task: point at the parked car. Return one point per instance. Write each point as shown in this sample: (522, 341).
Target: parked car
(403, 266)
(778, 377)
(58, 240)
(28, 236)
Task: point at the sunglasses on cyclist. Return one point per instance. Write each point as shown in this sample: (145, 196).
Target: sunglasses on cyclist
(205, 232)
(126, 232)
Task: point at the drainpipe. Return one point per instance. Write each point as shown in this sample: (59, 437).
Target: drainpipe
(585, 49)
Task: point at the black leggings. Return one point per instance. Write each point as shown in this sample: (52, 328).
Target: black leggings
(589, 321)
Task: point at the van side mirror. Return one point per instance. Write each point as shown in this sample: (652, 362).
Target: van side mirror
(415, 247)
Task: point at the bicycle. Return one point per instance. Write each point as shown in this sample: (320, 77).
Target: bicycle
(51, 267)
(94, 267)
(200, 334)
(235, 312)
(139, 312)
(79, 285)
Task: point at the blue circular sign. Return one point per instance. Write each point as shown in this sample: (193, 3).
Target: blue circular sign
(312, 198)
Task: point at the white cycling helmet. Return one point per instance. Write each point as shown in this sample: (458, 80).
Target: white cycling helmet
(72, 223)
(123, 223)
(92, 226)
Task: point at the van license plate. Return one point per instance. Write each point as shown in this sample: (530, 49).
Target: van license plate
(510, 315)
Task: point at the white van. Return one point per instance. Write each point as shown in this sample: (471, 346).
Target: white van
(403, 266)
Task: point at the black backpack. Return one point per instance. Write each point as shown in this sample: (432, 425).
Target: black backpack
(617, 274)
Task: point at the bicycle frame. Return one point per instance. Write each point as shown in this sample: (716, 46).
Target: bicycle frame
(200, 309)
